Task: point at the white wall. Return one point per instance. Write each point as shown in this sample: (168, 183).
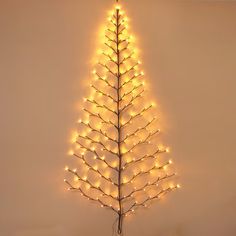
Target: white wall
(188, 49)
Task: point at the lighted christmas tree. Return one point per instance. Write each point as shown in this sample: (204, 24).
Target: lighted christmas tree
(120, 165)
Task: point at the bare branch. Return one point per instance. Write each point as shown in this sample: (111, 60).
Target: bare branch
(138, 129)
(144, 158)
(93, 151)
(142, 172)
(91, 198)
(103, 93)
(104, 148)
(97, 115)
(101, 106)
(96, 171)
(147, 185)
(104, 80)
(150, 198)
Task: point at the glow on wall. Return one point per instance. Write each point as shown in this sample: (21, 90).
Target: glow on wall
(120, 161)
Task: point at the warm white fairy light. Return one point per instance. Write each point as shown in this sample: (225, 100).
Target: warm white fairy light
(115, 104)
(70, 152)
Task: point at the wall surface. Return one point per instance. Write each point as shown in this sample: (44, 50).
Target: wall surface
(188, 49)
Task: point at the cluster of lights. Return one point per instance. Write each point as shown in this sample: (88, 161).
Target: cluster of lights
(113, 108)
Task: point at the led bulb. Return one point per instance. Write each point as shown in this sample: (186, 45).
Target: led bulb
(118, 7)
(76, 178)
(71, 153)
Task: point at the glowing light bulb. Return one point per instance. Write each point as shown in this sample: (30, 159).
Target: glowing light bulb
(65, 180)
(139, 62)
(142, 73)
(66, 168)
(170, 162)
(118, 7)
(71, 153)
(74, 170)
(94, 71)
(178, 186)
(153, 104)
(76, 178)
(167, 150)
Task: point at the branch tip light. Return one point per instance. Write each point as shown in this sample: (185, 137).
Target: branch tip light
(120, 162)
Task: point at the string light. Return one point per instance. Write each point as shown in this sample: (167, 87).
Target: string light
(117, 129)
